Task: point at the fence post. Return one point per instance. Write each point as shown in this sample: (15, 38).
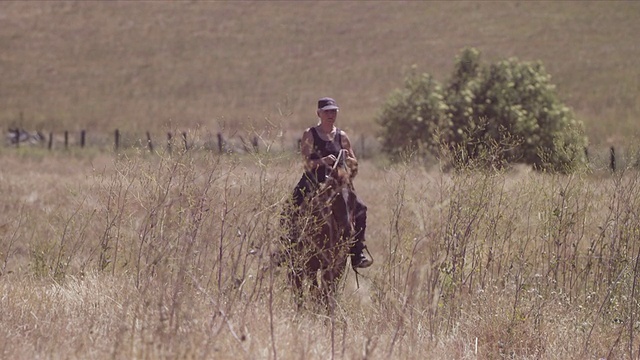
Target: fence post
(50, 140)
(586, 154)
(66, 139)
(184, 140)
(220, 143)
(169, 142)
(612, 159)
(117, 139)
(82, 135)
(254, 142)
(149, 144)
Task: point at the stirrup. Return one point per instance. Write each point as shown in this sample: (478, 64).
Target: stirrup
(360, 265)
(363, 261)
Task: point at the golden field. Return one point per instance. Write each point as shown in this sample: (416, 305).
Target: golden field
(140, 255)
(167, 256)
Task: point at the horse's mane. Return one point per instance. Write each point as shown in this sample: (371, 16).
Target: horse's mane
(339, 177)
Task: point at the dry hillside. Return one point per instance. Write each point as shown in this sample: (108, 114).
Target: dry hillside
(145, 65)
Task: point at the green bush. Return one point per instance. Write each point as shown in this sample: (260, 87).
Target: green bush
(508, 112)
(413, 116)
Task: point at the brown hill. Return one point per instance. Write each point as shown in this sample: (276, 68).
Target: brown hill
(144, 65)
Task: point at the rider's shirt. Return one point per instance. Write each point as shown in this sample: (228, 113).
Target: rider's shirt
(322, 148)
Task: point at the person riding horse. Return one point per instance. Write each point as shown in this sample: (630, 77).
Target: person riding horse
(320, 148)
(321, 253)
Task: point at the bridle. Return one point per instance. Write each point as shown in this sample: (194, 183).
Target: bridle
(342, 155)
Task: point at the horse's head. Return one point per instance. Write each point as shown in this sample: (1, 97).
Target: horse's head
(338, 178)
(338, 195)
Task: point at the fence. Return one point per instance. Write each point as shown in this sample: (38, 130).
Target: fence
(172, 141)
(611, 158)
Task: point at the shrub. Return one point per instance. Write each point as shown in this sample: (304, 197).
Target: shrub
(510, 109)
(412, 117)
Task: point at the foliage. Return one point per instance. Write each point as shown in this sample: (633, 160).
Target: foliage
(412, 116)
(508, 112)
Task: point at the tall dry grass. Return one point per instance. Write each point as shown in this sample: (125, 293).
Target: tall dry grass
(163, 256)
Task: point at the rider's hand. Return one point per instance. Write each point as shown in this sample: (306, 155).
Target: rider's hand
(329, 160)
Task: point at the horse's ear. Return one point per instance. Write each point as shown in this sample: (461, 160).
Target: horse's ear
(352, 165)
(343, 175)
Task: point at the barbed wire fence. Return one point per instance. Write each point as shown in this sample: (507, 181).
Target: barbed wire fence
(612, 158)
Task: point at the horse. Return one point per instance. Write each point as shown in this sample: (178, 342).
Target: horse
(326, 230)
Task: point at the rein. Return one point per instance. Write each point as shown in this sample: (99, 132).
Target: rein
(341, 154)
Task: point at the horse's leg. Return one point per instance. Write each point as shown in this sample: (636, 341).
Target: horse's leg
(295, 278)
(331, 278)
(314, 287)
(328, 290)
(315, 290)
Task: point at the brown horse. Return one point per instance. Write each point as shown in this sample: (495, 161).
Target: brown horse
(326, 225)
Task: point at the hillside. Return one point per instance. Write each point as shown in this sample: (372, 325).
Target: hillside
(148, 65)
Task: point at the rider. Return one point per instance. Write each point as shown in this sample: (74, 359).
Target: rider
(320, 147)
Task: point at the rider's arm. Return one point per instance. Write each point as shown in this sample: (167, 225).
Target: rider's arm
(346, 144)
(306, 149)
(352, 161)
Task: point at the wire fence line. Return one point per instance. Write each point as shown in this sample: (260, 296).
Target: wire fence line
(612, 157)
(220, 142)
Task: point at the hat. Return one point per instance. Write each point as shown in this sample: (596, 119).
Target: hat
(327, 103)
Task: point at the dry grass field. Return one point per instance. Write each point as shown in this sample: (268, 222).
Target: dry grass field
(166, 256)
(140, 255)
